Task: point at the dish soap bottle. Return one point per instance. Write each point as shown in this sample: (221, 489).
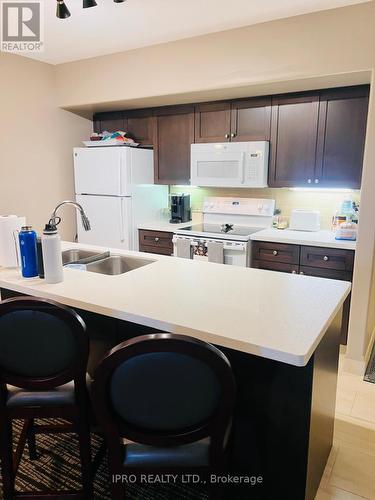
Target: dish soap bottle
(52, 256)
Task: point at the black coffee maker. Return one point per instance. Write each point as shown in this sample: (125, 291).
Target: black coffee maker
(180, 208)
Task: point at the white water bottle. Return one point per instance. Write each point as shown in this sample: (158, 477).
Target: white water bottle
(52, 256)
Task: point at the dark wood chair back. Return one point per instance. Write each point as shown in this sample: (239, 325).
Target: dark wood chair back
(43, 345)
(164, 390)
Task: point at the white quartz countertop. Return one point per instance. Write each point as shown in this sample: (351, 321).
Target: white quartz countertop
(312, 238)
(273, 315)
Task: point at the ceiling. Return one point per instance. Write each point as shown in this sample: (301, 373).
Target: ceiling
(115, 27)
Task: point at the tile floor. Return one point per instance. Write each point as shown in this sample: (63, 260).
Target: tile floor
(350, 471)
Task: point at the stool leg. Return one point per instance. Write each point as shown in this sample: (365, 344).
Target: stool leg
(6, 456)
(31, 441)
(85, 453)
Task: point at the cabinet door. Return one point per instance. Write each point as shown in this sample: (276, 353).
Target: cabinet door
(341, 139)
(327, 258)
(141, 126)
(174, 134)
(282, 267)
(251, 120)
(212, 122)
(294, 129)
(155, 242)
(275, 252)
(110, 122)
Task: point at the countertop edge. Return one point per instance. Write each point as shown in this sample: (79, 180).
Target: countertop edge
(280, 238)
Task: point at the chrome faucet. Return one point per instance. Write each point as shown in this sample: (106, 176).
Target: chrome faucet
(85, 221)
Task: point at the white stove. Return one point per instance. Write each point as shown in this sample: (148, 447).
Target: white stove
(229, 221)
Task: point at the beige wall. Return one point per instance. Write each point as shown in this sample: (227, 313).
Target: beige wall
(325, 43)
(326, 202)
(36, 141)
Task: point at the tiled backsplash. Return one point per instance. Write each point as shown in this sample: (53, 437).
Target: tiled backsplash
(327, 202)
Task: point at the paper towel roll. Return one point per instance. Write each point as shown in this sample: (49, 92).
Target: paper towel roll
(9, 224)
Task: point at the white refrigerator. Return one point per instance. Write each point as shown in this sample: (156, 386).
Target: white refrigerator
(115, 186)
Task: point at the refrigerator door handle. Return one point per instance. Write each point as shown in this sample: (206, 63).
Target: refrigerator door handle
(120, 178)
(122, 221)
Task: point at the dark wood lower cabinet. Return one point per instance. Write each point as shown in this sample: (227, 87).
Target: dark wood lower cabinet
(321, 262)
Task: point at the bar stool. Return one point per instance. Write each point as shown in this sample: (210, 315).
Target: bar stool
(171, 398)
(43, 358)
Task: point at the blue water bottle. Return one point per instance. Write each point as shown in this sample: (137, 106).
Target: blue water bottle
(28, 252)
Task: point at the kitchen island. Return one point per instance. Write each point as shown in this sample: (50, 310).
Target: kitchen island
(280, 333)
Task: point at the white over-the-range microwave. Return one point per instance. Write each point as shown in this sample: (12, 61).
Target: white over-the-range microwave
(230, 164)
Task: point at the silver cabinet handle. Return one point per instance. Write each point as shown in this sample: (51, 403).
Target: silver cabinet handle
(233, 135)
(227, 136)
(316, 181)
(301, 272)
(157, 239)
(275, 252)
(326, 258)
(308, 181)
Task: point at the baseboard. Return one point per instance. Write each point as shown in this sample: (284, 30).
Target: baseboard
(369, 347)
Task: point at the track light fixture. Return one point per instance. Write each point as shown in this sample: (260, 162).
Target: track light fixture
(88, 3)
(62, 11)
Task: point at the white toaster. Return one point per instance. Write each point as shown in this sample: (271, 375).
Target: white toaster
(304, 220)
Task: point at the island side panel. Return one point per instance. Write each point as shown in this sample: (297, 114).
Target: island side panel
(271, 426)
(323, 405)
(284, 420)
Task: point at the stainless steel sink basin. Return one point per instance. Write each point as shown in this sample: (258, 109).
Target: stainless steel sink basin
(117, 264)
(76, 255)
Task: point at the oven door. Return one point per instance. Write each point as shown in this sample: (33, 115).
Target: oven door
(218, 168)
(236, 253)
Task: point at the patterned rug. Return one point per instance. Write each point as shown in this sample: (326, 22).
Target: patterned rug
(58, 467)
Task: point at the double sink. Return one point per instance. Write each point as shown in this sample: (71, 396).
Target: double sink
(103, 263)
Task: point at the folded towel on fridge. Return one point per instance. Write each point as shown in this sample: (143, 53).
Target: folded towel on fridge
(215, 252)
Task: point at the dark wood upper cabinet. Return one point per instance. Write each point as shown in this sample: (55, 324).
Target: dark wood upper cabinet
(110, 122)
(316, 138)
(294, 132)
(140, 126)
(174, 134)
(341, 137)
(251, 119)
(212, 122)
